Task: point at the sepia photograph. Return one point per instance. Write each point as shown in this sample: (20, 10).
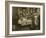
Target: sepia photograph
(25, 18)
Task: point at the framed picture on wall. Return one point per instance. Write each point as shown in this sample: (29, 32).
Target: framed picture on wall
(24, 18)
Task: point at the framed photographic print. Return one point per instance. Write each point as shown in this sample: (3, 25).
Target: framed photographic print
(24, 18)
